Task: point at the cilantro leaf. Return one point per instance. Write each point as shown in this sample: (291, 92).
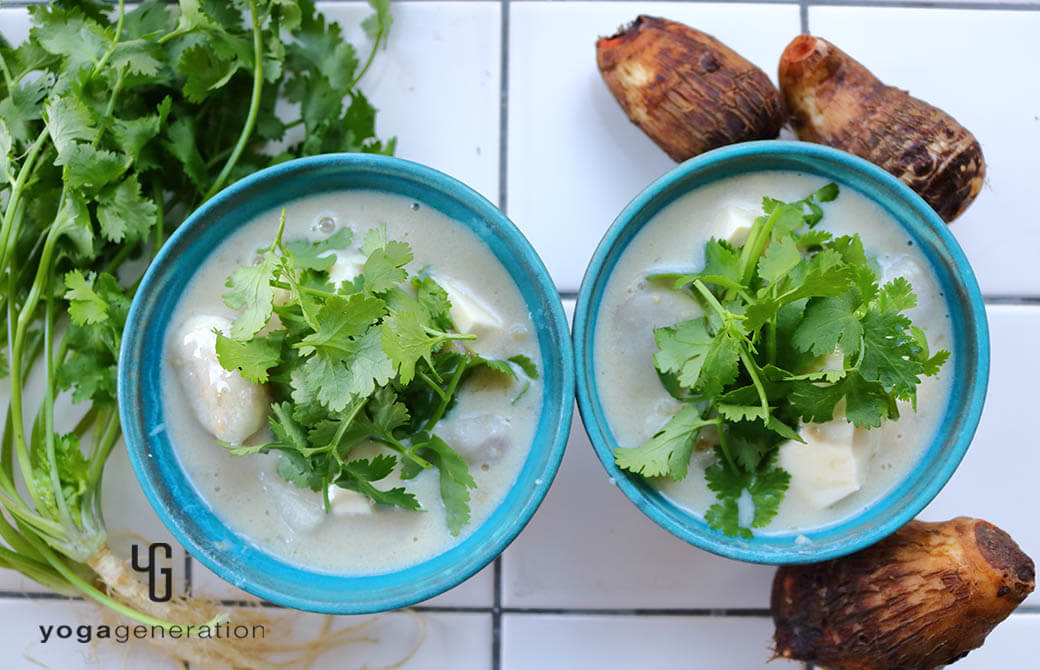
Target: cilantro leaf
(85, 306)
(252, 358)
(315, 255)
(829, 323)
(780, 258)
(251, 291)
(668, 451)
(124, 213)
(526, 364)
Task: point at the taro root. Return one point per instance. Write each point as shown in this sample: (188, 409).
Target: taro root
(919, 599)
(685, 89)
(834, 100)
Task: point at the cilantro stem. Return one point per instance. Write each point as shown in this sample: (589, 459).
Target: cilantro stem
(405, 451)
(157, 230)
(14, 202)
(304, 289)
(724, 448)
(433, 385)
(110, 107)
(771, 341)
(752, 370)
(48, 415)
(254, 106)
(444, 337)
(755, 245)
(371, 54)
(456, 377)
(344, 424)
(115, 42)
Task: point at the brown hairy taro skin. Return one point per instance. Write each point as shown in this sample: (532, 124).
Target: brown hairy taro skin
(832, 99)
(686, 90)
(919, 599)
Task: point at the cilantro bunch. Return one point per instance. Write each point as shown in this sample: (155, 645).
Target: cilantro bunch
(795, 323)
(365, 361)
(114, 126)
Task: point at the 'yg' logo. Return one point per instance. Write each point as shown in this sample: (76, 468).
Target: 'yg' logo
(151, 568)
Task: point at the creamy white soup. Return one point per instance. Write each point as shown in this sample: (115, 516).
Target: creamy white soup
(842, 469)
(491, 426)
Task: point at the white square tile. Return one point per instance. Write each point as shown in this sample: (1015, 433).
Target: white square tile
(588, 546)
(417, 641)
(1013, 644)
(659, 642)
(574, 160)
(996, 481)
(14, 24)
(436, 85)
(23, 624)
(998, 104)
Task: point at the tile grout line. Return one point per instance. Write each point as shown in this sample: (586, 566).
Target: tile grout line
(503, 203)
(803, 15)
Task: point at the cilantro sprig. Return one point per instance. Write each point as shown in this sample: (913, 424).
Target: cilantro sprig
(365, 361)
(795, 323)
(115, 124)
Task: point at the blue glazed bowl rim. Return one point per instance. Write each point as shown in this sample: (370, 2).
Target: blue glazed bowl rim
(814, 159)
(488, 540)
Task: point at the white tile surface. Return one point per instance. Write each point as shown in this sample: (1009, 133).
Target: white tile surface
(997, 103)
(996, 481)
(376, 641)
(461, 640)
(436, 86)
(1013, 644)
(662, 643)
(21, 638)
(574, 160)
(14, 24)
(588, 546)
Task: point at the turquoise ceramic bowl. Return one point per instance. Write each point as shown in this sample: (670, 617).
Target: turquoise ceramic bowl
(164, 481)
(970, 348)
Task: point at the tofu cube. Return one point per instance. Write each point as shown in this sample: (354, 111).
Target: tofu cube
(822, 472)
(344, 502)
(470, 314)
(735, 224)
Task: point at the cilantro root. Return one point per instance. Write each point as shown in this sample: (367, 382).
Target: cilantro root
(114, 126)
(781, 311)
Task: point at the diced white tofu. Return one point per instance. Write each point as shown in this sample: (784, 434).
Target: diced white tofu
(735, 224)
(344, 502)
(228, 406)
(348, 266)
(470, 313)
(838, 431)
(821, 472)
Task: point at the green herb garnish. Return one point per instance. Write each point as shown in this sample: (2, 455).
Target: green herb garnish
(366, 361)
(777, 309)
(115, 124)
